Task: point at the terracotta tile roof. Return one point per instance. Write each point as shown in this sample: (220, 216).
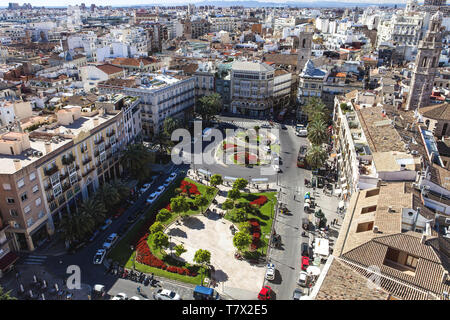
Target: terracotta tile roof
(343, 283)
(437, 112)
(109, 69)
(426, 280)
(278, 58)
(133, 61)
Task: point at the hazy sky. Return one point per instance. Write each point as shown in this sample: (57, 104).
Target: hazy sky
(50, 3)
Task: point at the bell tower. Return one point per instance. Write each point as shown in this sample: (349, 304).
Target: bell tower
(304, 48)
(425, 67)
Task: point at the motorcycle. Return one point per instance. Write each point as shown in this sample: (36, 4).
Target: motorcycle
(125, 274)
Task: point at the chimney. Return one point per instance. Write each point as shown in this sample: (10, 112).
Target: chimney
(95, 122)
(423, 239)
(17, 164)
(375, 229)
(48, 147)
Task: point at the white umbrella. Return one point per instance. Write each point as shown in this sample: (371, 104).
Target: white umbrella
(21, 288)
(313, 270)
(42, 296)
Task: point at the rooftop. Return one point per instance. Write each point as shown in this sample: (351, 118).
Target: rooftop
(251, 66)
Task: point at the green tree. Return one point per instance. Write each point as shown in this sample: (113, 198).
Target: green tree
(316, 157)
(216, 179)
(316, 109)
(228, 205)
(240, 184)
(202, 257)
(210, 191)
(93, 209)
(109, 196)
(245, 227)
(242, 240)
(241, 215)
(209, 106)
(160, 240)
(135, 159)
(163, 215)
(170, 125)
(200, 201)
(76, 226)
(122, 190)
(156, 227)
(6, 295)
(179, 205)
(234, 194)
(179, 249)
(317, 132)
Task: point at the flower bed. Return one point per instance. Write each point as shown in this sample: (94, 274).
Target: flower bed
(245, 157)
(168, 207)
(193, 190)
(260, 201)
(255, 231)
(229, 145)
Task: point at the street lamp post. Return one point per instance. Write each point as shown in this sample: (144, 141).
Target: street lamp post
(134, 259)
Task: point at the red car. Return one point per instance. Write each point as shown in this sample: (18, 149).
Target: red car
(266, 293)
(305, 263)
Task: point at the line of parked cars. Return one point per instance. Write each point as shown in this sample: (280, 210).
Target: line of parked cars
(152, 197)
(101, 253)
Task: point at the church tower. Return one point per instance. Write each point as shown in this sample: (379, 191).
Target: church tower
(304, 48)
(425, 68)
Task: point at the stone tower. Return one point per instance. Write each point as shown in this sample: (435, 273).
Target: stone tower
(425, 67)
(411, 6)
(304, 48)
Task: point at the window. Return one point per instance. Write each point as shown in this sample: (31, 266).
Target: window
(13, 213)
(35, 189)
(27, 209)
(20, 183)
(365, 226)
(10, 200)
(368, 209)
(41, 214)
(38, 202)
(30, 222)
(24, 196)
(6, 186)
(411, 261)
(32, 176)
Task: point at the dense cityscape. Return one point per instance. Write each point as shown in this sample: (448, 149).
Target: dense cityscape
(225, 151)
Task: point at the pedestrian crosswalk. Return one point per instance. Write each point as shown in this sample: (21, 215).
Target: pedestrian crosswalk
(34, 259)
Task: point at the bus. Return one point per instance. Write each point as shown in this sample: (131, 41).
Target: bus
(301, 158)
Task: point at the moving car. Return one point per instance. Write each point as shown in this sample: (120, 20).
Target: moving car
(266, 293)
(172, 176)
(204, 293)
(164, 294)
(112, 238)
(120, 296)
(99, 256)
(98, 292)
(152, 197)
(167, 183)
(270, 272)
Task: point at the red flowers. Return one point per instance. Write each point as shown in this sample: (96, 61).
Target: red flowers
(193, 188)
(260, 201)
(229, 145)
(245, 157)
(168, 207)
(255, 230)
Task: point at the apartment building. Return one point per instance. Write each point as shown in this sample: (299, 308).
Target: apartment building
(224, 23)
(252, 88)
(7, 256)
(47, 173)
(162, 95)
(310, 82)
(282, 83)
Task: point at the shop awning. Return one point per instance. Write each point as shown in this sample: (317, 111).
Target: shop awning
(7, 260)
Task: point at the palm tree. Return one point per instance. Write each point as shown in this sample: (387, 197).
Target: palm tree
(93, 209)
(121, 188)
(135, 158)
(6, 295)
(317, 132)
(316, 108)
(160, 139)
(109, 196)
(316, 157)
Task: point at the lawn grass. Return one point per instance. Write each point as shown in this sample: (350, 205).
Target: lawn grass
(123, 254)
(264, 218)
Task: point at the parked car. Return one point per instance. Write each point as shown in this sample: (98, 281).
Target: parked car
(99, 256)
(204, 293)
(164, 294)
(94, 235)
(305, 249)
(270, 271)
(145, 187)
(305, 263)
(109, 242)
(120, 296)
(152, 198)
(167, 183)
(303, 279)
(160, 190)
(172, 176)
(98, 292)
(296, 295)
(266, 293)
(106, 225)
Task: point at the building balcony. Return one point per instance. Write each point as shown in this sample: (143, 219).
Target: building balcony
(65, 187)
(87, 172)
(66, 160)
(111, 133)
(99, 140)
(51, 171)
(85, 161)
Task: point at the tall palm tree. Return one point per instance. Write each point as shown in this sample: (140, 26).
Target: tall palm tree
(121, 188)
(316, 156)
(93, 209)
(316, 109)
(317, 132)
(135, 158)
(109, 196)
